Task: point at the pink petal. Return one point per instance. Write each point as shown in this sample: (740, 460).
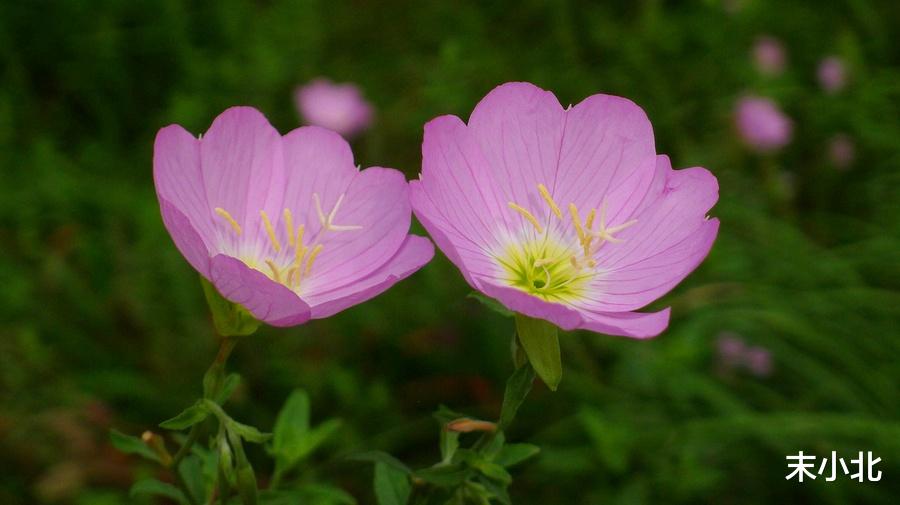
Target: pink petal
(468, 256)
(624, 324)
(413, 254)
(608, 153)
(520, 129)
(178, 180)
(671, 237)
(317, 161)
(242, 165)
(185, 236)
(627, 324)
(378, 201)
(266, 299)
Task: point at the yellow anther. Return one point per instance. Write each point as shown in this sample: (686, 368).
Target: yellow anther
(289, 226)
(527, 215)
(270, 230)
(542, 261)
(290, 275)
(224, 213)
(589, 222)
(312, 257)
(276, 273)
(549, 199)
(573, 211)
(299, 240)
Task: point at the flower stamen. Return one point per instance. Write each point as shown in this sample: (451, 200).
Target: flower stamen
(549, 199)
(312, 257)
(224, 213)
(527, 215)
(270, 230)
(289, 226)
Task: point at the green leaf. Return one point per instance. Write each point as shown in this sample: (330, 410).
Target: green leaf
(380, 457)
(540, 340)
(444, 476)
(392, 486)
(232, 381)
(248, 433)
(191, 470)
(307, 494)
(495, 472)
(513, 454)
(292, 424)
(131, 445)
(187, 418)
(154, 487)
(230, 319)
(492, 304)
(517, 388)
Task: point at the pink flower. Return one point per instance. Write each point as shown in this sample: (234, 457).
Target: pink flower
(758, 361)
(768, 55)
(841, 151)
(832, 74)
(761, 124)
(285, 226)
(338, 107)
(561, 214)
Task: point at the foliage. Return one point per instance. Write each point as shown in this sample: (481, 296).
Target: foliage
(102, 324)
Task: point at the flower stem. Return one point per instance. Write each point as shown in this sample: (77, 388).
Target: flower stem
(226, 345)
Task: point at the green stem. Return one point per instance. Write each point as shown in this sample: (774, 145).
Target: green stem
(226, 345)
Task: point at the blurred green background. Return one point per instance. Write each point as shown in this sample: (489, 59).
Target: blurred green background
(103, 324)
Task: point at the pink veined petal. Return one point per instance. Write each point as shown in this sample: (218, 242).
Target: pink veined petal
(459, 181)
(242, 166)
(178, 180)
(623, 324)
(267, 300)
(670, 238)
(377, 200)
(471, 259)
(413, 254)
(532, 306)
(317, 161)
(608, 152)
(185, 236)
(627, 324)
(520, 128)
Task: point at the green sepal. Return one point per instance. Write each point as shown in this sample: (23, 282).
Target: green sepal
(540, 340)
(230, 319)
(244, 476)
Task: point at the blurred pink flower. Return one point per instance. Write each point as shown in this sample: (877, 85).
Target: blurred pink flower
(734, 354)
(758, 361)
(841, 151)
(287, 227)
(768, 55)
(832, 74)
(338, 107)
(567, 215)
(761, 124)
(731, 349)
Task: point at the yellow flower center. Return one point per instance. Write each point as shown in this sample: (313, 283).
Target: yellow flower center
(545, 263)
(293, 262)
